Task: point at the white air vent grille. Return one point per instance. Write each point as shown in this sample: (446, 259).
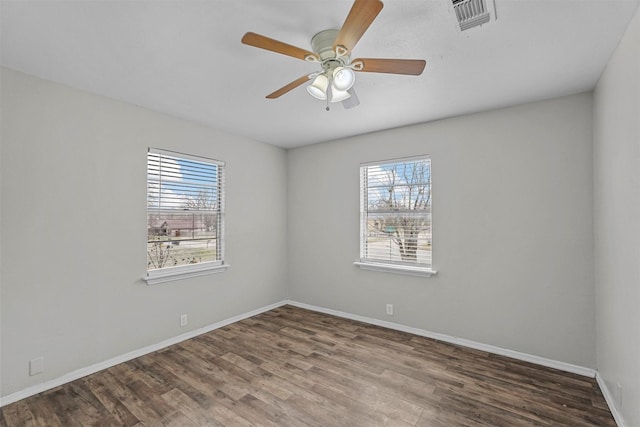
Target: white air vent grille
(470, 13)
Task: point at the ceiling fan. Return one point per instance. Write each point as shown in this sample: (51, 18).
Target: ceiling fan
(331, 49)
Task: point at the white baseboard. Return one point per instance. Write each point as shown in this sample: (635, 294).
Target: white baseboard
(83, 372)
(611, 402)
(550, 363)
(71, 376)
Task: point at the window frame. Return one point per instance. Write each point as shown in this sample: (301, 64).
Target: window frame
(177, 272)
(366, 262)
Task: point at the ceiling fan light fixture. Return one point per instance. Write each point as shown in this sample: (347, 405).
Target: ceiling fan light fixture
(339, 95)
(343, 78)
(318, 88)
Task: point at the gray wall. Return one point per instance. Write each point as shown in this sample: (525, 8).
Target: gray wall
(617, 223)
(513, 239)
(513, 228)
(73, 177)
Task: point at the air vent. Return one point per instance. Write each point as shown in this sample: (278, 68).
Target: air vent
(471, 13)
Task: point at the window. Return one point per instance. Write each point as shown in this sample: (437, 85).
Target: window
(395, 216)
(185, 216)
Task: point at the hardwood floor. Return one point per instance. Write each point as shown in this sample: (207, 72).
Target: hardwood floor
(293, 367)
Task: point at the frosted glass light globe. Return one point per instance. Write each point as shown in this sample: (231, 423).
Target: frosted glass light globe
(343, 78)
(318, 89)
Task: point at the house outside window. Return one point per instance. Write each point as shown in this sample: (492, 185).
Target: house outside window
(395, 216)
(185, 215)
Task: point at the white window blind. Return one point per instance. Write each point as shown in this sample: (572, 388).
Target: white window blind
(185, 210)
(395, 212)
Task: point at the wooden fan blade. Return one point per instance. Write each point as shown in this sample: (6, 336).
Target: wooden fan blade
(263, 42)
(413, 67)
(361, 15)
(294, 84)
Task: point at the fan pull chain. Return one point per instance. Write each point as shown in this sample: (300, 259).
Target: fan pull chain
(329, 91)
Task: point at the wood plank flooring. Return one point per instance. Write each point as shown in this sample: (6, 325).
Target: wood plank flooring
(294, 367)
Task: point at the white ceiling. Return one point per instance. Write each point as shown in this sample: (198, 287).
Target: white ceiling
(184, 58)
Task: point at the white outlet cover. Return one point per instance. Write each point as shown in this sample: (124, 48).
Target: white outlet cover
(36, 366)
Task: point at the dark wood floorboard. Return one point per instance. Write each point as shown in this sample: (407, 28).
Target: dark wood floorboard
(294, 367)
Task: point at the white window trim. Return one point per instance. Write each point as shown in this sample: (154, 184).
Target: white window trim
(396, 268)
(169, 274)
(389, 267)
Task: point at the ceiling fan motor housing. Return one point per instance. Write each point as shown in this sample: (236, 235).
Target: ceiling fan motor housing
(322, 45)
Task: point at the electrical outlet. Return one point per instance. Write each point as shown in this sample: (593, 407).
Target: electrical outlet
(36, 366)
(619, 395)
(389, 309)
(183, 320)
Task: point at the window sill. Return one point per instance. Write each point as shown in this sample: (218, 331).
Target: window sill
(183, 272)
(395, 268)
